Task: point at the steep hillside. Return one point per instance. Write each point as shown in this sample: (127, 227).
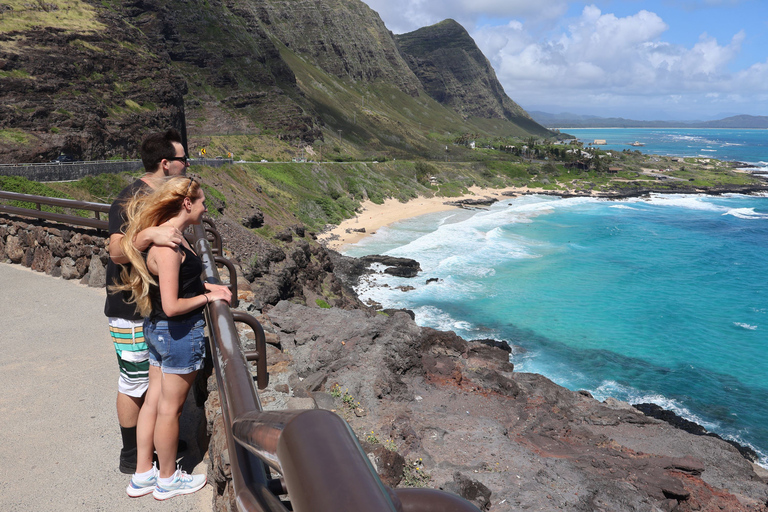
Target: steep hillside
(262, 78)
(344, 38)
(455, 72)
(237, 81)
(79, 80)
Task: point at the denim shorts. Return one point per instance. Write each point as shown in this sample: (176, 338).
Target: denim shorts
(176, 346)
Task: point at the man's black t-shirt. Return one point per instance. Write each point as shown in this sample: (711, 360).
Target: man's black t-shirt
(117, 304)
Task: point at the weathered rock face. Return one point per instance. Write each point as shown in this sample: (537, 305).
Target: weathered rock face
(505, 440)
(87, 93)
(298, 269)
(345, 38)
(92, 86)
(238, 82)
(455, 72)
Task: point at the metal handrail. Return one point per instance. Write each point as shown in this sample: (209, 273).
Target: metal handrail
(232, 278)
(237, 393)
(77, 162)
(97, 222)
(324, 467)
(260, 354)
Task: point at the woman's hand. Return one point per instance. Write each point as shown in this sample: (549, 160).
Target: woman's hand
(218, 292)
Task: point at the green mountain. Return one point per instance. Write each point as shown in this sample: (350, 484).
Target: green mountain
(259, 78)
(455, 73)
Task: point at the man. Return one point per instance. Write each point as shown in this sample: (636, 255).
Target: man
(162, 155)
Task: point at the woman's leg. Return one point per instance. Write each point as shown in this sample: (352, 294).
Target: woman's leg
(145, 427)
(173, 393)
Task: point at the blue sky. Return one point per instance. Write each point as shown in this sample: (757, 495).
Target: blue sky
(638, 59)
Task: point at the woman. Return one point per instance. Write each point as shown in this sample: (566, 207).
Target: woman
(165, 284)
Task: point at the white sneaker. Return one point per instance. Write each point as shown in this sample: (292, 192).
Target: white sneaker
(182, 484)
(138, 487)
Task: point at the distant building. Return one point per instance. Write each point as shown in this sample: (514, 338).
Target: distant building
(578, 164)
(599, 142)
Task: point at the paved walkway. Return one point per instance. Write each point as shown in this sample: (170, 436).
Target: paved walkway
(59, 436)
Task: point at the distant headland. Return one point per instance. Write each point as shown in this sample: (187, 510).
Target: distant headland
(569, 120)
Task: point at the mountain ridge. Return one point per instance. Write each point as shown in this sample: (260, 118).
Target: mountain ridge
(455, 72)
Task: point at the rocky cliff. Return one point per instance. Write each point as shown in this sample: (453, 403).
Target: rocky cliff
(433, 409)
(344, 38)
(81, 81)
(455, 72)
(89, 78)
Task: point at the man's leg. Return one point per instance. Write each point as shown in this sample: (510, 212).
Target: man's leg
(132, 358)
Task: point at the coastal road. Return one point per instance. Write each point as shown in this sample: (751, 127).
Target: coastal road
(58, 425)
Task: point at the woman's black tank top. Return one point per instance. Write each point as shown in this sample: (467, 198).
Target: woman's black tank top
(190, 285)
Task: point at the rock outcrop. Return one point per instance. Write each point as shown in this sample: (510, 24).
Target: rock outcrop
(453, 414)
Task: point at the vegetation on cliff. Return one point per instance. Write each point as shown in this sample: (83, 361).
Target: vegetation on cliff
(88, 79)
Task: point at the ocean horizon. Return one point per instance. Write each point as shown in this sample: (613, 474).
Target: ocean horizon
(742, 145)
(660, 299)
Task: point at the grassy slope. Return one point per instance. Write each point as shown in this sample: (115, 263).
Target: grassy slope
(317, 194)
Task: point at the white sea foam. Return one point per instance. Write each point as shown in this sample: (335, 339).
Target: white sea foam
(629, 394)
(746, 213)
(622, 207)
(746, 326)
(436, 318)
(688, 201)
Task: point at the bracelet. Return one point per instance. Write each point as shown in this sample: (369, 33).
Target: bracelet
(207, 299)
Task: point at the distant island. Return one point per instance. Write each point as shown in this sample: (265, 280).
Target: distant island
(568, 120)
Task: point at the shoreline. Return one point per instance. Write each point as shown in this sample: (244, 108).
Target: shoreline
(373, 217)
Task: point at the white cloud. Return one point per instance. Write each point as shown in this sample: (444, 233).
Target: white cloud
(597, 60)
(602, 57)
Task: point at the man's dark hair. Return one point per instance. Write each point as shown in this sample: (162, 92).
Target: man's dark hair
(157, 146)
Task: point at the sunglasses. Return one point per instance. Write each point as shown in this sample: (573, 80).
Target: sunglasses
(182, 159)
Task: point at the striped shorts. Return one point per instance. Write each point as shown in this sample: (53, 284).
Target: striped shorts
(132, 355)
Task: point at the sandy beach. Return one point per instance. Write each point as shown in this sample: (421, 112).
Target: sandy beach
(374, 216)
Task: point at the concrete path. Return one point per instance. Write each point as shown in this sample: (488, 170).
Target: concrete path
(59, 436)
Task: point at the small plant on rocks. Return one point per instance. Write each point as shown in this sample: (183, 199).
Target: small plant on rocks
(414, 474)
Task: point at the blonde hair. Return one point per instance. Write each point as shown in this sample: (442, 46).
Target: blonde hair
(142, 212)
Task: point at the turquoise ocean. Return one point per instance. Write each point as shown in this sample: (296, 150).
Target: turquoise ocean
(748, 146)
(661, 299)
